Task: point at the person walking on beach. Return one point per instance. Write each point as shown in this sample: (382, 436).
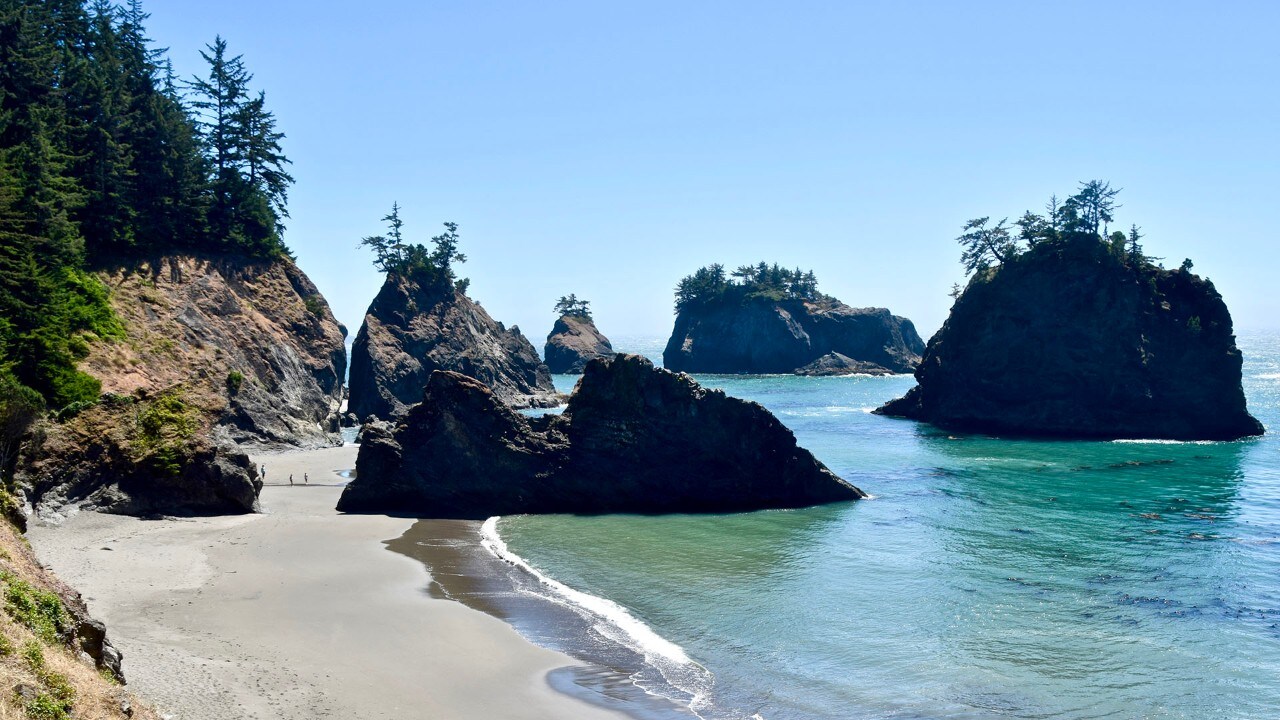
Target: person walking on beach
(290, 479)
(305, 479)
(264, 473)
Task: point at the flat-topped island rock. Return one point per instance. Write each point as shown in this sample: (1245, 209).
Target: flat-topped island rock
(634, 438)
(767, 320)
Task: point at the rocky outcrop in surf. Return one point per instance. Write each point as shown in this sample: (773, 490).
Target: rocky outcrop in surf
(1073, 338)
(834, 363)
(574, 341)
(217, 350)
(411, 330)
(634, 438)
(773, 320)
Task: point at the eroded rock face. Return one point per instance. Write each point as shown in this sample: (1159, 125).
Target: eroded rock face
(574, 341)
(409, 332)
(252, 342)
(1071, 341)
(217, 350)
(764, 336)
(634, 438)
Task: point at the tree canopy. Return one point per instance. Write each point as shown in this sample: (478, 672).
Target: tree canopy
(710, 285)
(106, 157)
(430, 268)
(1083, 217)
(571, 305)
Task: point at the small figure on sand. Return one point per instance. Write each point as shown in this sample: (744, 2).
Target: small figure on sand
(305, 480)
(263, 473)
(290, 479)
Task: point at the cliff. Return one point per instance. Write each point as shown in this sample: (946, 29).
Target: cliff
(1071, 340)
(57, 660)
(218, 350)
(758, 335)
(574, 341)
(410, 332)
(634, 438)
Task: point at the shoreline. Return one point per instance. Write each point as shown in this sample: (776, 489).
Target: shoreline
(621, 663)
(297, 612)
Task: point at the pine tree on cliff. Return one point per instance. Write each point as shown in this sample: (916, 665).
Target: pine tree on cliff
(101, 159)
(249, 183)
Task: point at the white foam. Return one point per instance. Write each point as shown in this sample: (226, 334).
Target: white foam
(1140, 441)
(1269, 376)
(614, 622)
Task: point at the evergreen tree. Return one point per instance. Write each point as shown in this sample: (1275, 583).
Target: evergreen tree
(571, 305)
(986, 246)
(219, 102)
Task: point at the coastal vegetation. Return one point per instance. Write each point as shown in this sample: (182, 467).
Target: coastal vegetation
(1084, 217)
(44, 635)
(572, 306)
(431, 268)
(711, 285)
(106, 157)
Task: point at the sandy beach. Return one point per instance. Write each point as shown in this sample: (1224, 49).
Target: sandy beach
(297, 612)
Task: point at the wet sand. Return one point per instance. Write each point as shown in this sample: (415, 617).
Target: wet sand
(297, 612)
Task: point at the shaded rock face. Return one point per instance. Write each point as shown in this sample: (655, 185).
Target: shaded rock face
(1070, 341)
(763, 336)
(634, 438)
(94, 464)
(409, 332)
(574, 341)
(247, 351)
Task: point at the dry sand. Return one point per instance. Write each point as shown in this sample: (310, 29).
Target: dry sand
(298, 612)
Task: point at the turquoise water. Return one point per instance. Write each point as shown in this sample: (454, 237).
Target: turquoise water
(987, 578)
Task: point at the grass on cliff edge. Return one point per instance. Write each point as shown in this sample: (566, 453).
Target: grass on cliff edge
(40, 677)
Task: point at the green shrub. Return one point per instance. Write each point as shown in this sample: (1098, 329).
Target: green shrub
(235, 379)
(165, 425)
(75, 409)
(34, 655)
(40, 611)
(314, 305)
(45, 707)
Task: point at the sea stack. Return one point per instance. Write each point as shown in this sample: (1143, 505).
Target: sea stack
(413, 329)
(1080, 338)
(574, 340)
(765, 319)
(634, 438)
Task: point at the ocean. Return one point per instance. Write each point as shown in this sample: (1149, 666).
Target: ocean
(985, 578)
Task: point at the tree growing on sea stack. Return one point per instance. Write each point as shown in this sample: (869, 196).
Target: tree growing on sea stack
(765, 318)
(422, 321)
(430, 268)
(571, 305)
(1068, 330)
(574, 340)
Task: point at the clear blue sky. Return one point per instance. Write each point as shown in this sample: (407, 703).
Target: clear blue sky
(609, 148)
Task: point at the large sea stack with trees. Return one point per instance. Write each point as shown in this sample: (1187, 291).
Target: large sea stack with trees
(1068, 330)
(769, 319)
